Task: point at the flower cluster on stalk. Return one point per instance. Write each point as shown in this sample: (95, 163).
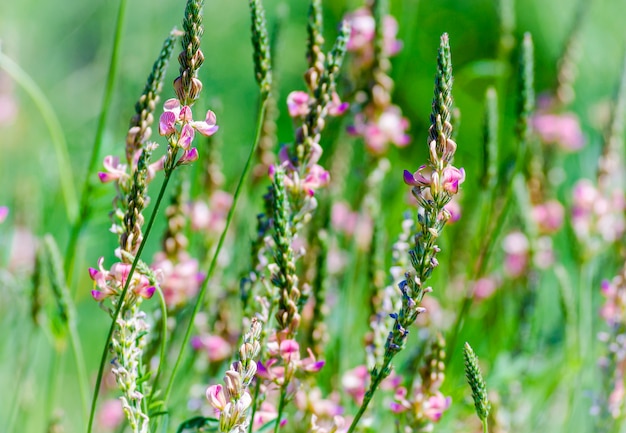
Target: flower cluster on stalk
(372, 41)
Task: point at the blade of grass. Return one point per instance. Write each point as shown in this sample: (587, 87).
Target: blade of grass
(54, 128)
(79, 220)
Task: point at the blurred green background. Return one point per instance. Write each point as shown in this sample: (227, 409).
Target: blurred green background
(65, 47)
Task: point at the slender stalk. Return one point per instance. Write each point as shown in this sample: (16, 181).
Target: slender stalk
(257, 389)
(485, 426)
(118, 308)
(54, 128)
(281, 406)
(79, 359)
(370, 393)
(79, 220)
(231, 213)
(162, 351)
(21, 372)
(53, 375)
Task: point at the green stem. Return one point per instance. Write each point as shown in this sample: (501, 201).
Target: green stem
(485, 426)
(79, 359)
(162, 352)
(370, 393)
(78, 222)
(53, 376)
(257, 389)
(23, 365)
(120, 303)
(281, 405)
(54, 128)
(231, 213)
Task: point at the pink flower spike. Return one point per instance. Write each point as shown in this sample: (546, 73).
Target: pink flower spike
(209, 126)
(186, 137)
(298, 103)
(167, 123)
(4, 212)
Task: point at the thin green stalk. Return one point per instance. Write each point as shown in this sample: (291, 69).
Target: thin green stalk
(23, 365)
(281, 406)
(105, 351)
(257, 389)
(163, 344)
(54, 128)
(79, 359)
(53, 375)
(485, 426)
(78, 221)
(370, 393)
(231, 213)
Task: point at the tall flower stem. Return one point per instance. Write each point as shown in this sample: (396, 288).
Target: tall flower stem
(105, 351)
(370, 392)
(212, 266)
(79, 221)
(163, 343)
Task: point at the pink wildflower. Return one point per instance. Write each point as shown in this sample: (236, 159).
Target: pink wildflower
(355, 382)
(548, 216)
(207, 127)
(266, 413)
(336, 107)
(217, 397)
(298, 103)
(378, 133)
(4, 212)
(451, 179)
(516, 247)
(435, 406)
(109, 283)
(561, 129)
(180, 279)
(485, 287)
(111, 414)
(114, 170)
(210, 217)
